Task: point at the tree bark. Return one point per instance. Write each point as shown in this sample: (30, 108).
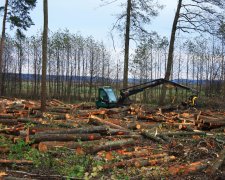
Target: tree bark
(95, 129)
(65, 137)
(151, 136)
(112, 145)
(2, 46)
(184, 133)
(44, 57)
(127, 42)
(153, 162)
(99, 121)
(171, 51)
(49, 145)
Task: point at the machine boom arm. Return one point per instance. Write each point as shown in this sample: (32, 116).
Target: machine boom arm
(125, 93)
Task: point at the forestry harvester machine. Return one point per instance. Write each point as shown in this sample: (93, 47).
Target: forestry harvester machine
(108, 99)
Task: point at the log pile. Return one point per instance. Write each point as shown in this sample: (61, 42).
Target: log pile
(209, 120)
(132, 132)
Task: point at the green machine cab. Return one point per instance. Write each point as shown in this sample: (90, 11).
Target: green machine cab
(106, 98)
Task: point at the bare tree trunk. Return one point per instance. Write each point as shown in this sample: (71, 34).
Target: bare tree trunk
(2, 45)
(20, 57)
(91, 73)
(223, 72)
(171, 50)
(127, 42)
(44, 57)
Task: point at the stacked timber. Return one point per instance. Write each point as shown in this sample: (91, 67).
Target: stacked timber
(140, 137)
(209, 121)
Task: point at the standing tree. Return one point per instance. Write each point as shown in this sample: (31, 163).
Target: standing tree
(2, 44)
(194, 15)
(132, 23)
(16, 12)
(44, 56)
(127, 44)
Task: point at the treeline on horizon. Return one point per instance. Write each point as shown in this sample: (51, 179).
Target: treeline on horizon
(200, 59)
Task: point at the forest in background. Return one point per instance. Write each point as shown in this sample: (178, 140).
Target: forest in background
(78, 65)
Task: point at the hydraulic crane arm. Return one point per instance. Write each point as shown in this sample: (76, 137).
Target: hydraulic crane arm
(125, 93)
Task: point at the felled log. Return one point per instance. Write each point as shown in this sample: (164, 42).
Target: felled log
(87, 113)
(141, 125)
(118, 122)
(48, 145)
(87, 130)
(86, 146)
(112, 145)
(59, 103)
(6, 116)
(203, 126)
(146, 117)
(188, 168)
(136, 153)
(152, 162)
(215, 124)
(156, 159)
(28, 120)
(215, 166)
(176, 125)
(60, 109)
(8, 121)
(203, 118)
(133, 136)
(124, 163)
(64, 137)
(11, 131)
(32, 176)
(96, 120)
(213, 121)
(44, 128)
(184, 133)
(56, 116)
(8, 162)
(164, 137)
(185, 127)
(152, 136)
(112, 132)
(168, 108)
(78, 121)
(63, 124)
(117, 110)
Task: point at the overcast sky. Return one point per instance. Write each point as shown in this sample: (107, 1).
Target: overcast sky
(88, 18)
